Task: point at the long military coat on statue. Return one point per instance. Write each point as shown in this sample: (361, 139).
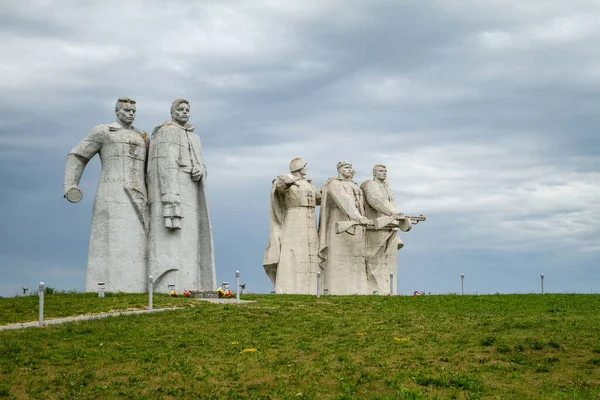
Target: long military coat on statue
(291, 260)
(382, 244)
(342, 255)
(117, 253)
(184, 258)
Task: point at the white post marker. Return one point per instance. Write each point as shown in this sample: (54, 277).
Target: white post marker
(237, 286)
(150, 291)
(101, 289)
(462, 283)
(42, 290)
(391, 284)
(318, 284)
(542, 283)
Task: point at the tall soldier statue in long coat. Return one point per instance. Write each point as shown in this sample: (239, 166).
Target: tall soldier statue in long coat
(117, 253)
(291, 260)
(181, 242)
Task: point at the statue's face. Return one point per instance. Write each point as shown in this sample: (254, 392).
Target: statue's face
(381, 173)
(346, 171)
(302, 171)
(181, 114)
(126, 114)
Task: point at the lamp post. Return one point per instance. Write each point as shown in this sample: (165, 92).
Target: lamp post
(237, 286)
(101, 286)
(150, 291)
(42, 290)
(462, 283)
(542, 279)
(318, 284)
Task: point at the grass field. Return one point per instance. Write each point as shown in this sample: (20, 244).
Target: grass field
(299, 347)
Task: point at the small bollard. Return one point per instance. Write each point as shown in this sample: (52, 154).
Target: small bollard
(462, 283)
(150, 291)
(237, 286)
(42, 290)
(318, 284)
(391, 284)
(542, 283)
(101, 289)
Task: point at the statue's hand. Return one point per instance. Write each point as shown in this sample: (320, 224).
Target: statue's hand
(289, 180)
(365, 221)
(198, 172)
(73, 194)
(400, 217)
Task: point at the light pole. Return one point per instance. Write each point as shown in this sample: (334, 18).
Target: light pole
(237, 286)
(318, 284)
(542, 278)
(150, 291)
(42, 290)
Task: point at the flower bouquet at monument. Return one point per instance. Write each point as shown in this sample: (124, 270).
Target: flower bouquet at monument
(224, 293)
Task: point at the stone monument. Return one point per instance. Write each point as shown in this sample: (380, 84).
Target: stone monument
(291, 259)
(382, 241)
(342, 223)
(117, 252)
(181, 242)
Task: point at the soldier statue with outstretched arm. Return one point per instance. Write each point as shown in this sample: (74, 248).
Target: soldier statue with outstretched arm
(291, 259)
(118, 240)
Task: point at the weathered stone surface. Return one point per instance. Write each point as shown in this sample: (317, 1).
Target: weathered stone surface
(384, 243)
(204, 294)
(342, 234)
(117, 252)
(291, 258)
(181, 242)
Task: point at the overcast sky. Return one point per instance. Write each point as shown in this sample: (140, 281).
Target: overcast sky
(486, 113)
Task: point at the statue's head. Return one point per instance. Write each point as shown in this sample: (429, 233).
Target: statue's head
(180, 111)
(380, 172)
(298, 164)
(125, 110)
(345, 169)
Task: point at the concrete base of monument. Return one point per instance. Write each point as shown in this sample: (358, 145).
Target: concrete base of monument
(204, 294)
(225, 301)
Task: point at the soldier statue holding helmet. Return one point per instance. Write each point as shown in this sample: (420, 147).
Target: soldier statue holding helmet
(291, 258)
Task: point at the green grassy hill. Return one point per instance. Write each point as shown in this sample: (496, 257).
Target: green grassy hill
(296, 347)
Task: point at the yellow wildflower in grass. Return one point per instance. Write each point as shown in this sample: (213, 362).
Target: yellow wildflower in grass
(252, 350)
(235, 342)
(361, 334)
(401, 339)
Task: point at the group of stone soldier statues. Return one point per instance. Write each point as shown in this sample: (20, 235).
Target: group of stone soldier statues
(150, 214)
(355, 245)
(151, 218)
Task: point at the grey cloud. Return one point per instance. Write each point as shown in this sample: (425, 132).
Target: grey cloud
(484, 113)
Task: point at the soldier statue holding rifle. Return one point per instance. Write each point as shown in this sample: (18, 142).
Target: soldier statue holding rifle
(382, 241)
(342, 223)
